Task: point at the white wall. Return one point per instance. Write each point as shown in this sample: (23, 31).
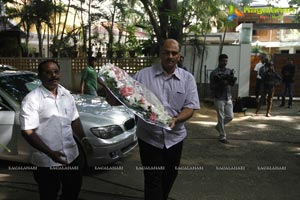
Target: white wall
(239, 60)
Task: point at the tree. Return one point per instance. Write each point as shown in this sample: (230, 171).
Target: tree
(296, 3)
(64, 34)
(41, 12)
(21, 11)
(116, 11)
(173, 19)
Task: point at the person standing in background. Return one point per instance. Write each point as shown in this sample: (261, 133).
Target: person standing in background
(89, 78)
(258, 85)
(288, 74)
(270, 79)
(180, 62)
(221, 81)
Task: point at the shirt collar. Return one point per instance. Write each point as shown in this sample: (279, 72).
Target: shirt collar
(158, 70)
(47, 93)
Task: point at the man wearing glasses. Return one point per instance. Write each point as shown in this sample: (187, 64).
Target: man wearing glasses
(160, 149)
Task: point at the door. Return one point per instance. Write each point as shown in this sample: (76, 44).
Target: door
(7, 118)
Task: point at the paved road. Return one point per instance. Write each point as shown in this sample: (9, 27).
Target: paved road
(261, 162)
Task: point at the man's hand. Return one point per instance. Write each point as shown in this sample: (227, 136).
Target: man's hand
(34, 140)
(184, 115)
(173, 122)
(225, 82)
(58, 157)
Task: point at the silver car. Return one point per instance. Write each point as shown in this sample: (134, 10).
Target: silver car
(110, 130)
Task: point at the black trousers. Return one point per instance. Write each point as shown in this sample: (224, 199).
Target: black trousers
(68, 178)
(258, 88)
(160, 169)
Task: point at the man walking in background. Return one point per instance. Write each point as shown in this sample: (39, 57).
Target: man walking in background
(288, 74)
(221, 80)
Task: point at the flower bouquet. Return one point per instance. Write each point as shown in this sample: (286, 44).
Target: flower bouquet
(140, 100)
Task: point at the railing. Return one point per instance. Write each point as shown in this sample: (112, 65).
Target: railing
(130, 65)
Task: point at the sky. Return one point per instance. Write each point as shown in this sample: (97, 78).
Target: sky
(276, 3)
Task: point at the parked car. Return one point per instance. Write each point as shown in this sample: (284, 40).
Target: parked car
(6, 67)
(110, 130)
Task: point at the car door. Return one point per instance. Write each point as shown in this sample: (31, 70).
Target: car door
(7, 140)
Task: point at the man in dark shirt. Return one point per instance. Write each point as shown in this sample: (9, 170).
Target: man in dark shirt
(288, 74)
(220, 85)
(180, 62)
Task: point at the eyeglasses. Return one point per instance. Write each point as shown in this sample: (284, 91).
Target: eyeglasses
(173, 53)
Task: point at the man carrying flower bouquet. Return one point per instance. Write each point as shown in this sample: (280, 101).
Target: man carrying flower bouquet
(160, 149)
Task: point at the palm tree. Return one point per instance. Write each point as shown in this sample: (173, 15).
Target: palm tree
(41, 16)
(110, 14)
(21, 11)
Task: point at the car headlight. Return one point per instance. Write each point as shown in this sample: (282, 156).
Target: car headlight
(107, 132)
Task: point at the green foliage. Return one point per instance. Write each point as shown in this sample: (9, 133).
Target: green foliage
(119, 47)
(295, 3)
(131, 41)
(160, 18)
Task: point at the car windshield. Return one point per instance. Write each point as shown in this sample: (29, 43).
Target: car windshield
(17, 86)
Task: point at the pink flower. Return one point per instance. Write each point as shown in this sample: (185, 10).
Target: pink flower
(126, 91)
(142, 101)
(153, 117)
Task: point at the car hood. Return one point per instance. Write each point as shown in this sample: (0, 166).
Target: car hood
(96, 110)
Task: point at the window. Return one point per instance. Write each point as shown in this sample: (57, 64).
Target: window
(3, 105)
(284, 51)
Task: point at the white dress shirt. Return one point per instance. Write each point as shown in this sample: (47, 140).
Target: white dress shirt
(257, 68)
(51, 117)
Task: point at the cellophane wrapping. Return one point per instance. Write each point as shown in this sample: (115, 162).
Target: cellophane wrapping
(134, 95)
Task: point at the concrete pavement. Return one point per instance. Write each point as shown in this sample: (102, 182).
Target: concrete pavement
(261, 162)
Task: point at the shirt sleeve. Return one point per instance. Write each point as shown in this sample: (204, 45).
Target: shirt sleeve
(75, 113)
(192, 98)
(212, 78)
(29, 117)
(257, 66)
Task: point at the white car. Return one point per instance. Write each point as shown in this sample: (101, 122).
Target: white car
(110, 130)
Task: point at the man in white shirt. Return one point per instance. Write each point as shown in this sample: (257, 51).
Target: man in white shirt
(48, 118)
(257, 67)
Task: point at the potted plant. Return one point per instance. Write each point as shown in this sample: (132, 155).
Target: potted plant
(132, 43)
(119, 49)
(32, 51)
(133, 47)
(24, 50)
(54, 47)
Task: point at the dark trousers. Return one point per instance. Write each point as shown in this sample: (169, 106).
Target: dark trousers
(160, 169)
(51, 180)
(287, 87)
(270, 93)
(258, 88)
